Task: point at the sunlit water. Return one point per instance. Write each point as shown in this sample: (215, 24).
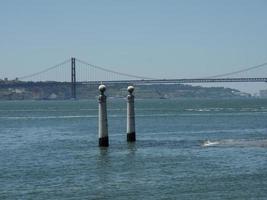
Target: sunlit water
(185, 149)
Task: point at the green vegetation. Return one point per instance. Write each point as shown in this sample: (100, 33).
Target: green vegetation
(17, 90)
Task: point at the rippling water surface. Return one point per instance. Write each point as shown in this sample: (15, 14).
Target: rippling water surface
(185, 149)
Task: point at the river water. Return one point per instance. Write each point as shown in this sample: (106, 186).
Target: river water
(185, 149)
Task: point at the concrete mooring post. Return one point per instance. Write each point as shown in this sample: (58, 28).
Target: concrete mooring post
(130, 116)
(102, 120)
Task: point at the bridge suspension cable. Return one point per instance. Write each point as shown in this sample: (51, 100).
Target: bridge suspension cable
(238, 71)
(149, 78)
(131, 76)
(112, 71)
(45, 70)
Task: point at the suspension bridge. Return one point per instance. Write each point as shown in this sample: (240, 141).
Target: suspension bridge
(76, 71)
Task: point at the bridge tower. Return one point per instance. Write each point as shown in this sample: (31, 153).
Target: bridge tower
(73, 78)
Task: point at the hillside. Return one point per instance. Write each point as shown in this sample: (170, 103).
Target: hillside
(59, 90)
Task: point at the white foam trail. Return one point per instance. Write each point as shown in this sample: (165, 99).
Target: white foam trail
(236, 143)
(219, 109)
(209, 143)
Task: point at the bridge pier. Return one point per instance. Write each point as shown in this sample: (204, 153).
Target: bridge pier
(131, 137)
(73, 78)
(102, 120)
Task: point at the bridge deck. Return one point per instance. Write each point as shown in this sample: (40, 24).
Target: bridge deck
(173, 81)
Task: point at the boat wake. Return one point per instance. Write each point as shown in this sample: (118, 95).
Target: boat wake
(209, 143)
(235, 143)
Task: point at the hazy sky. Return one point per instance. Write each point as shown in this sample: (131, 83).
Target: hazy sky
(165, 39)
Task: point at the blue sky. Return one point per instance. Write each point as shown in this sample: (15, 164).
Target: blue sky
(165, 39)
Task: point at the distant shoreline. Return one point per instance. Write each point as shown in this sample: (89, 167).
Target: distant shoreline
(18, 90)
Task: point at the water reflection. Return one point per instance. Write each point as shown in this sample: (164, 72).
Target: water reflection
(132, 148)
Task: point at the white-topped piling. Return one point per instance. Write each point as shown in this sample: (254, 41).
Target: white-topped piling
(131, 137)
(102, 120)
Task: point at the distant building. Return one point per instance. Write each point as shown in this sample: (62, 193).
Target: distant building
(263, 93)
(16, 90)
(52, 96)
